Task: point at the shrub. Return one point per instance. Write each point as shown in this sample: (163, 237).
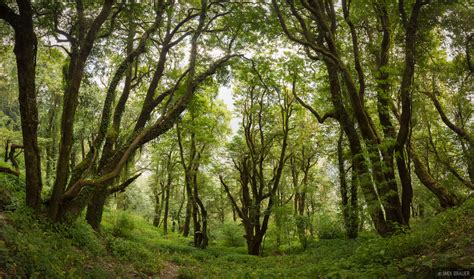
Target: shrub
(185, 273)
(328, 228)
(82, 236)
(12, 191)
(123, 225)
(232, 235)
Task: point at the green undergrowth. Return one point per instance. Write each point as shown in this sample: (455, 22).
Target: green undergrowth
(443, 241)
(128, 246)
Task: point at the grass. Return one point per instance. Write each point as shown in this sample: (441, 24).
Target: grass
(129, 246)
(439, 242)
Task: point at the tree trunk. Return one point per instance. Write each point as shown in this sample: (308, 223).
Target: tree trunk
(354, 208)
(80, 51)
(157, 217)
(343, 186)
(201, 239)
(445, 197)
(187, 218)
(254, 244)
(95, 208)
(178, 214)
(25, 53)
(204, 239)
(468, 152)
(301, 223)
(405, 179)
(52, 133)
(165, 215)
(359, 161)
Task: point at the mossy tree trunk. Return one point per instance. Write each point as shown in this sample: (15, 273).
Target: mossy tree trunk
(25, 50)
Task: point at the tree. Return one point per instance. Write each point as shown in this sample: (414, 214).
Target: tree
(206, 126)
(315, 27)
(25, 52)
(303, 157)
(257, 160)
(165, 160)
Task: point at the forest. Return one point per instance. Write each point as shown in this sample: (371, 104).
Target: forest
(236, 139)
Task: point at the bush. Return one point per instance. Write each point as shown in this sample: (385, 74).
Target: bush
(123, 225)
(328, 228)
(232, 235)
(33, 247)
(12, 191)
(82, 236)
(186, 273)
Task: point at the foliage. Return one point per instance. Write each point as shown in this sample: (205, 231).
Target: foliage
(328, 227)
(231, 235)
(32, 247)
(228, 114)
(12, 192)
(35, 248)
(122, 226)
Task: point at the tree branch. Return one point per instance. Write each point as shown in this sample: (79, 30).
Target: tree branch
(8, 15)
(121, 187)
(458, 130)
(9, 171)
(234, 203)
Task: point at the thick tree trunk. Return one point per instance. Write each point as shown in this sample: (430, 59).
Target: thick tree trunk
(386, 186)
(254, 243)
(201, 239)
(81, 50)
(95, 208)
(25, 52)
(359, 161)
(71, 209)
(468, 152)
(407, 190)
(343, 186)
(349, 210)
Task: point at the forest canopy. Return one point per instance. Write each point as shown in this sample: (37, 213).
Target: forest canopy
(282, 120)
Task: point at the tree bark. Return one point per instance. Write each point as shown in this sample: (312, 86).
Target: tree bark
(80, 52)
(95, 208)
(349, 211)
(407, 190)
(25, 52)
(360, 165)
(157, 215)
(165, 214)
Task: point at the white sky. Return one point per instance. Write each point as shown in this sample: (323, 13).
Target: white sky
(225, 94)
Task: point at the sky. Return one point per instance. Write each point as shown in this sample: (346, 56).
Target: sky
(225, 94)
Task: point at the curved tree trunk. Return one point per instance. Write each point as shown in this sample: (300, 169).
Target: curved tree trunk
(445, 197)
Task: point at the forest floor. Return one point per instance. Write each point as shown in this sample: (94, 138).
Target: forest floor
(129, 247)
